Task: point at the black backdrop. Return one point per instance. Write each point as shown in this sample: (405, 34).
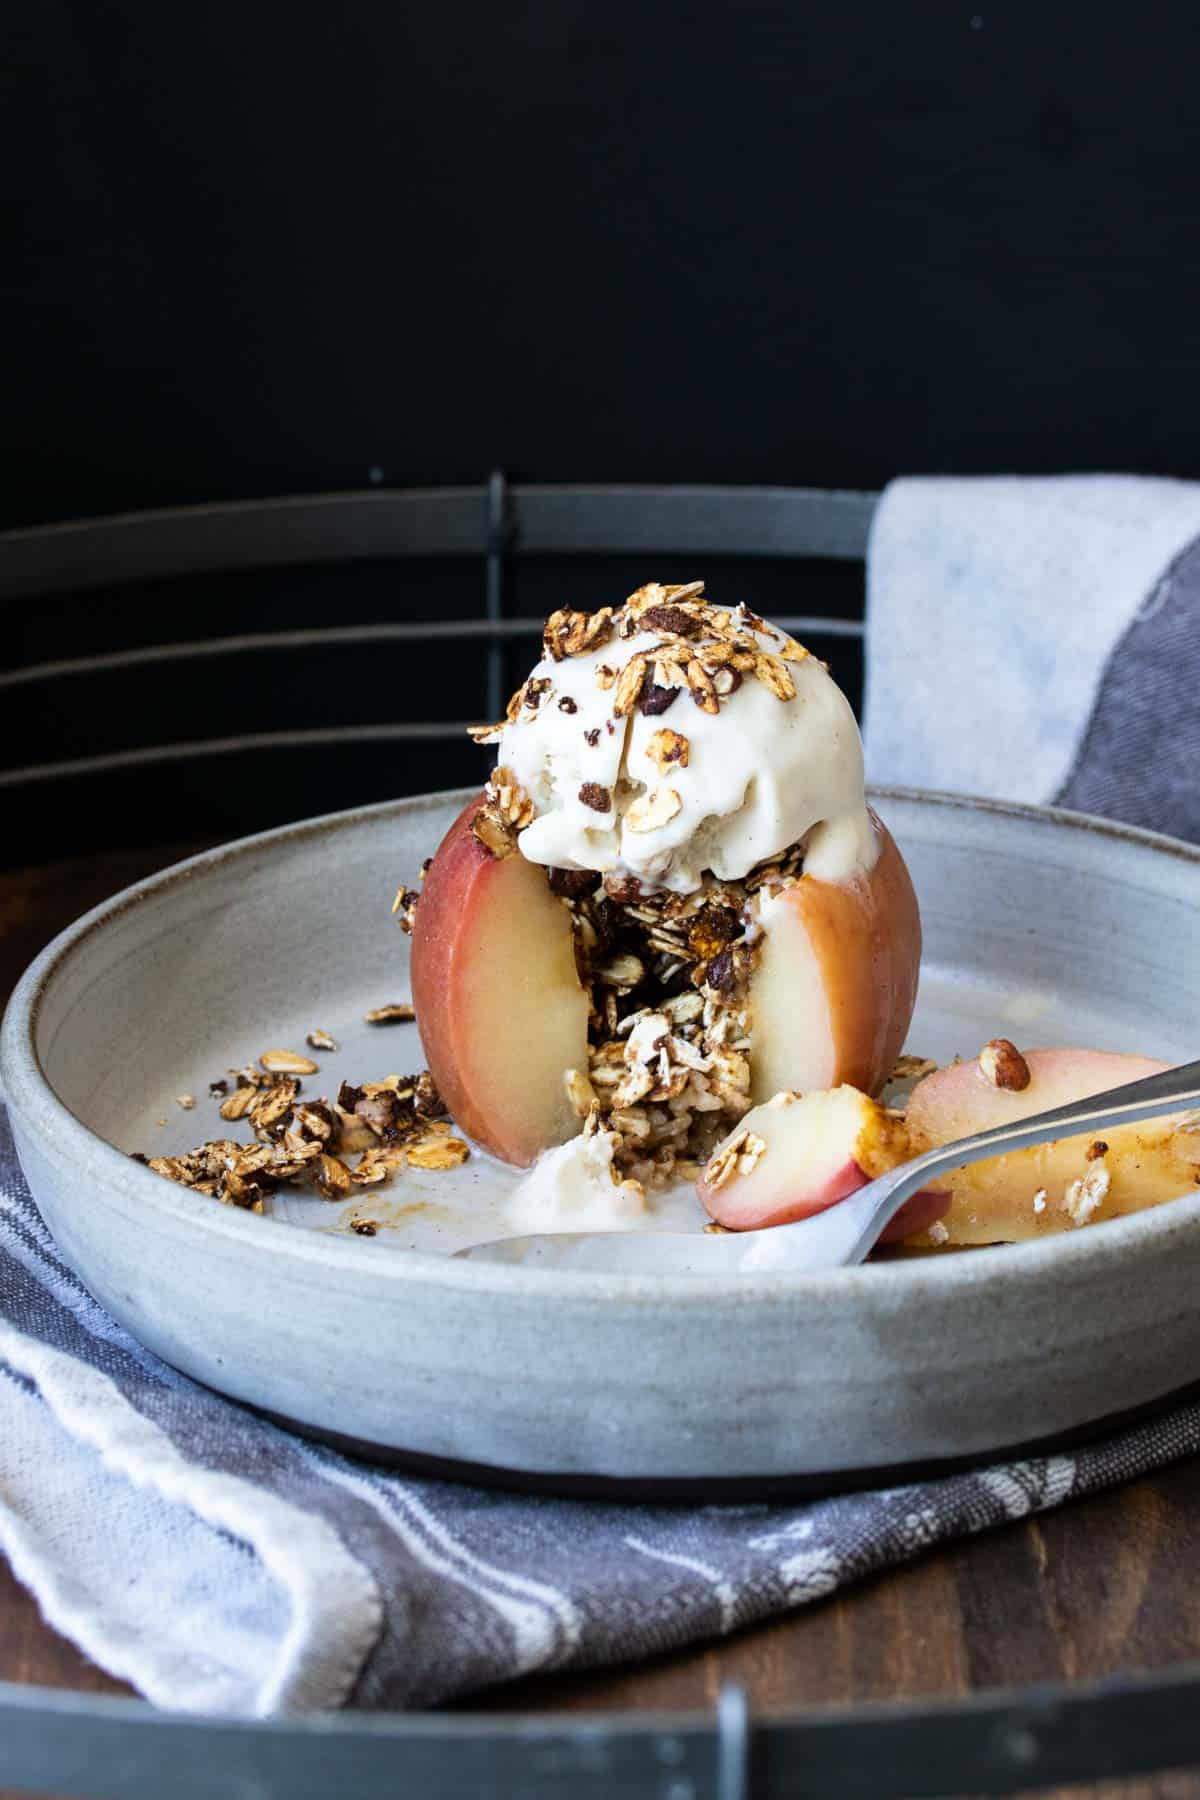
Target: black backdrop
(254, 249)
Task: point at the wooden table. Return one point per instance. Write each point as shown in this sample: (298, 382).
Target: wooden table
(1106, 1585)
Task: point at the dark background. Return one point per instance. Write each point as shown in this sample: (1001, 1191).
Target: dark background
(253, 250)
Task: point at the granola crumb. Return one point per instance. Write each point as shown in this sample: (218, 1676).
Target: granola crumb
(320, 1040)
(186, 1101)
(1084, 1197)
(404, 906)
(395, 1012)
(364, 1227)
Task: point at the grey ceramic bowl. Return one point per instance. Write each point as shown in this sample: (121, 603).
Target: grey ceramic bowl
(1045, 927)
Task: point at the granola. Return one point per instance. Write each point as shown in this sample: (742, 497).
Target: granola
(390, 1125)
(699, 648)
(667, 977)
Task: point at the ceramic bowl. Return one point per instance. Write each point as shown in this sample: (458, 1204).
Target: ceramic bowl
(1045, 927)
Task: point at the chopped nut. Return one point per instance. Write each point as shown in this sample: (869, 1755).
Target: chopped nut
(667, 748)
(217, 1088)
(320, 1040)
(655, 700)
(186, 1101)
(676, 620)
(605, 676)
(486, 734)
(650, 812)
(287, 1062)
(597, 797)
(396, 1012)
(566, 704)
(1002, 1064)
(364, 1227)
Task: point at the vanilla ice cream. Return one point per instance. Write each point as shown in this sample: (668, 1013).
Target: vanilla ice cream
(680, 737)
(576, 1188)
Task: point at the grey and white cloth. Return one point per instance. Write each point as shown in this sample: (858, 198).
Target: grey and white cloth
(1037, 640)
(220, 1564)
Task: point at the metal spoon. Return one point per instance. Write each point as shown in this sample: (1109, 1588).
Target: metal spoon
(845, 1233)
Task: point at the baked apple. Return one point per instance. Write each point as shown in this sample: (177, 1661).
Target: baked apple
(670, 901)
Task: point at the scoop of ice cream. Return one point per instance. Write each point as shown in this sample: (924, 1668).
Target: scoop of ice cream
(676, 736)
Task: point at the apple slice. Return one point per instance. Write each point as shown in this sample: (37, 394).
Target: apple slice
(833, 993)
(1052, 1187)
(800, 1153)
(500, 1009)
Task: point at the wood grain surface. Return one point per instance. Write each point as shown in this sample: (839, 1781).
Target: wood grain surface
(1107, 1585)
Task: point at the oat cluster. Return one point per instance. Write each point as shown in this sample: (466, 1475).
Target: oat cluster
(700, 649)
(667, 976)
(388, 1125)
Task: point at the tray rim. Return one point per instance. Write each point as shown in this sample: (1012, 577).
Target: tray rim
(31, 1097)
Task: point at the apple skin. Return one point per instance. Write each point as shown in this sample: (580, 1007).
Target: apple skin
(833, 994)
(819, 1148)
(993, 1201)
(501, 1013)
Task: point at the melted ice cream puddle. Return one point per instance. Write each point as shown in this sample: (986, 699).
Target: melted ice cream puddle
(573, 1188)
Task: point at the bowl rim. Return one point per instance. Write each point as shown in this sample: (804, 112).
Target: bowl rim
(32, 1099)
